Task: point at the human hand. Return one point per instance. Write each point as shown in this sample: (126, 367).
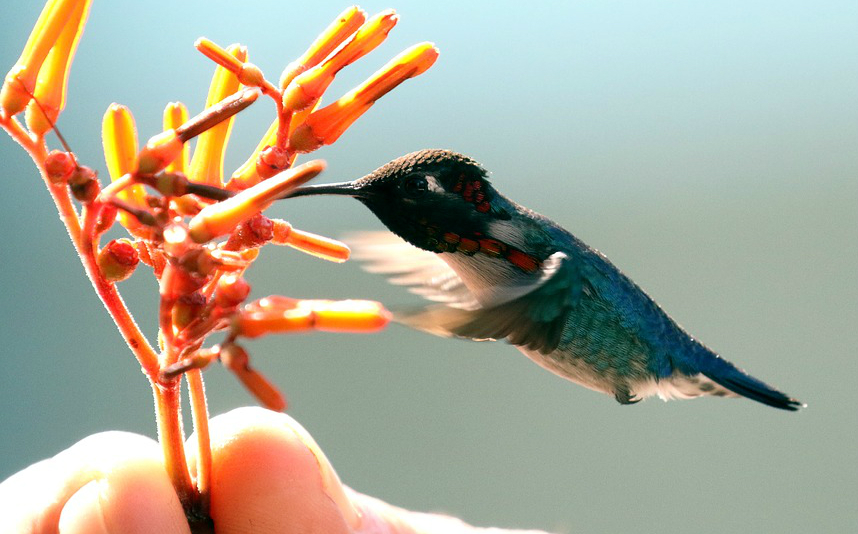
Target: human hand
(268, 476)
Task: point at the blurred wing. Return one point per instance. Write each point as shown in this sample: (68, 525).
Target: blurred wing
(423, 272)
(534, 320)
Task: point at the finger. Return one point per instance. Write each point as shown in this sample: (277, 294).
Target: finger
(108, 482)
(378, 517)
(269, 476)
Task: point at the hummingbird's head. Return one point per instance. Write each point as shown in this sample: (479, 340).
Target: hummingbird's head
(437, 200)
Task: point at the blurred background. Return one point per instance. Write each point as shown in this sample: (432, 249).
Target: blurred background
(709, 149)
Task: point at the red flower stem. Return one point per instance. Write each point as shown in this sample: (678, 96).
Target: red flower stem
(108, 294)
(172, 439)
(200, 415)
(167, 400)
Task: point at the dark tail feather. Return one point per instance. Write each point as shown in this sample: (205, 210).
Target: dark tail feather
(737, 381)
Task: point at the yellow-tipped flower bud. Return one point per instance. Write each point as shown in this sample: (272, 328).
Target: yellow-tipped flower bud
(117, 260)
(334, 35)
(52, 81)
(306, 89)
(20, 83)
(325, 125)
(316, 245)
(247, 73)
(279, 315)
(119, 137)
(247, 175)
(221, 218)
(207, 163)
(358, 316)
(175, 115)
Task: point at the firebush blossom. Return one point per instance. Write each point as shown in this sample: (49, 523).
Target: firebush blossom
(197, 228)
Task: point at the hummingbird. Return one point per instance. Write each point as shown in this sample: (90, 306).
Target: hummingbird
(500, 271)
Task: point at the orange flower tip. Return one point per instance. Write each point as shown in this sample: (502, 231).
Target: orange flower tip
(316, 245)
(188, 308)
(218, 54)
(175, 113)
(59, 166)
(346, 24)
(16, 93)
(221, 218)
(119, 136)
(357, 316)
(326, 125)
(158, 152)
(231, 291)
(117, 260)
(307, 87)
(425, 56)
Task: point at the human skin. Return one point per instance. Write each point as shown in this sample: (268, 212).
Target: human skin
(268, 476)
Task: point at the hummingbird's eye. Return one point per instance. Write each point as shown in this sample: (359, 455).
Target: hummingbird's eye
(415, 185)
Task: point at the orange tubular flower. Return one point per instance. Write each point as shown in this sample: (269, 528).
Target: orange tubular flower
(175, 206)
(248, 74)
(334, 35)
(325, 126)
(21, 80)
(222, 218)
(308, 87)
(247, 175)
(278, 315)
(119, 137)
(52, 81)
(316, 245)
(176, 114)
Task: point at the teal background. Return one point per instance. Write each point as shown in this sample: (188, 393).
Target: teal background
(708, 148)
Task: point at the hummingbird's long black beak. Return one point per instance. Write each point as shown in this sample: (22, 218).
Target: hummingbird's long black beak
(348, 189)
